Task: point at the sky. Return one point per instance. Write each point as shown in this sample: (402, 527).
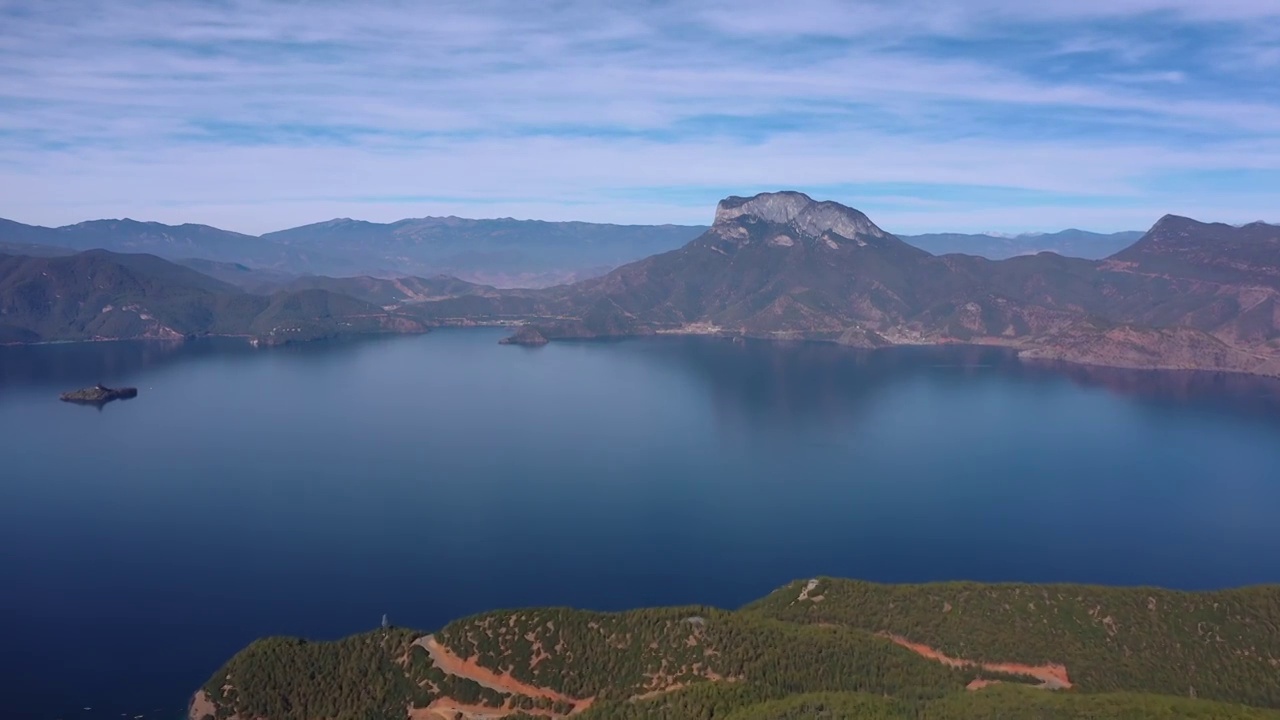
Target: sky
(966, 116)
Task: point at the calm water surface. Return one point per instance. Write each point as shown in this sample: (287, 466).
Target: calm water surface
(309, 490)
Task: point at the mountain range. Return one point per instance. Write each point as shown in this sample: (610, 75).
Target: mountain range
(500, 252)
(1071, 243)
(780, 266)
(1187, 295)
(504, 252)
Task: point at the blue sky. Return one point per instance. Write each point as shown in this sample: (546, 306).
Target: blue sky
(1000, 115)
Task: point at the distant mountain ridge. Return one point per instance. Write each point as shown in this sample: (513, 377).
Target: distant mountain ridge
(171, 242)
(1189, 295)
(1070, 242)
(506, 252)
(502, 252)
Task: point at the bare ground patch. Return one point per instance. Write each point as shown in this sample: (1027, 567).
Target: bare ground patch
(450, 663)
(1052, 676)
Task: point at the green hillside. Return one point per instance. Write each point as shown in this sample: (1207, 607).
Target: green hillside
(995, 703)
(98, 295)
(826, 648)
(1221, 645)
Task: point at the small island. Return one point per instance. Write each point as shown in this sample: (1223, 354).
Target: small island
(526, 335)
(98, 395)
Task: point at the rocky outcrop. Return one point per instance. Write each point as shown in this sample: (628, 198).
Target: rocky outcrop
(526, 335)
(810, 217)
(98, 395)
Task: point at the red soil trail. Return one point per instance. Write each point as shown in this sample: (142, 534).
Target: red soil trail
(446, 709)
(471, 670)
(979, 683)
(1051, 676)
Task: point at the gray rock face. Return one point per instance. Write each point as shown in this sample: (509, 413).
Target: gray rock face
(800, 211)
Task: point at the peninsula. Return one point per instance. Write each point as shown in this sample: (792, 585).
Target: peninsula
(824, 647)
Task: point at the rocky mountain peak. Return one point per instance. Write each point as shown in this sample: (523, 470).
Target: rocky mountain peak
(807, 215)
(1174, 222)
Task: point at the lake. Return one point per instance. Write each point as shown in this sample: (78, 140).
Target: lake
(308, 490)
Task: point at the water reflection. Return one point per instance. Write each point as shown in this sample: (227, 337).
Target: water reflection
(781, 383)
(774, 382)
(69, 365)
(244, 483)
(1234, 392)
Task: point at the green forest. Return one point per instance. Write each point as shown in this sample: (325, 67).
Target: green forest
(1221, 645)
(995, 703)
(815, 649)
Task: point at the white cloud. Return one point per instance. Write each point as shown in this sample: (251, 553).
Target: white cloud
(256, 114)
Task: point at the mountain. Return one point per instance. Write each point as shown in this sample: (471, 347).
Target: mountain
(1071, 243)
(20, 234)
(19, 239)
(99, 294)
(254, 280)
(783, 266)
(34, 250)
(1209, 252)
(378, 291)
(505, 252)
(391, 291)
(173, 242)
(775, 264)
(819, 648)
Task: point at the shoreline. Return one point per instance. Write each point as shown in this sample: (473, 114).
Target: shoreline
(1023, 352)
(1030, 355)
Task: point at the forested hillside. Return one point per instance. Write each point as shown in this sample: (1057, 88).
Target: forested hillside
(100, 295)
(820, 648)
(1222, 645)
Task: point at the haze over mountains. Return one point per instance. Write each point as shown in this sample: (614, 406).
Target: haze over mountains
(775, 266)
(499, 252)
(1071, 243)
(503, 252)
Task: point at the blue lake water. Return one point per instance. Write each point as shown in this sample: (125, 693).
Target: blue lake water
(308, 490)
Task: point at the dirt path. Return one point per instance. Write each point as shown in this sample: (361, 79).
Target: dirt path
(1051, 676)
(979, 683)
(446, 709)
(469, 669)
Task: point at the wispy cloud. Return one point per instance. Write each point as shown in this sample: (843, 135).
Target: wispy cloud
(989, 114)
